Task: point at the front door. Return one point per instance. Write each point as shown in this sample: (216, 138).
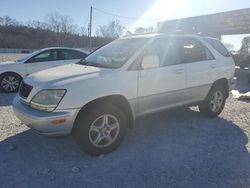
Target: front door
(162, 87)
(44, 60)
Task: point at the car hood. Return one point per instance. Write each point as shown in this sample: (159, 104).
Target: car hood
(63, 75)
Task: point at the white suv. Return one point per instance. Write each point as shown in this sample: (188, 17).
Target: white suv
(98, 99)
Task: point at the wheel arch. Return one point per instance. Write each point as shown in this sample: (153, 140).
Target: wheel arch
(118, 100)
(223, 82)
(10, 72)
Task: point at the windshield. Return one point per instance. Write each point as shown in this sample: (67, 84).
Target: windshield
(115, 54)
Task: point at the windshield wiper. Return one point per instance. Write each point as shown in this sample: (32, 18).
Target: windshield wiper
(93, 64)
(85, 62)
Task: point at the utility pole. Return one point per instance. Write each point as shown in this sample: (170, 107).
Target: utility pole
(90, 27)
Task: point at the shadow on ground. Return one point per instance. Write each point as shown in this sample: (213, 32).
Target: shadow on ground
(6, 99)
(242, 81)
(178, 148)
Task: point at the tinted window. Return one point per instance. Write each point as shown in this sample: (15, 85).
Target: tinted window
(193, 51)
(166, 49)
(217, 45)
(70, 54)
(49, 55)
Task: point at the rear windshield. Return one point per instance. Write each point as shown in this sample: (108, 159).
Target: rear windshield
(217, 45)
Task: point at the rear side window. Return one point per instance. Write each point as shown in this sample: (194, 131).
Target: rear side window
(218, 46)
(193, 50)
(70, 54)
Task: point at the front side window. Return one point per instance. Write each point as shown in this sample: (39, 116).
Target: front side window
(49, 55)
(194, 51)
(116, 53)
(28, 56)
(167, 49)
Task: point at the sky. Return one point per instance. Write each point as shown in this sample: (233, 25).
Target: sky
(147, 12)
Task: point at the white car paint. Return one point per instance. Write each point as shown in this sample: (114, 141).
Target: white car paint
(146, 90)
(24, 69)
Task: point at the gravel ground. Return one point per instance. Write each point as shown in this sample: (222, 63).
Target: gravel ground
(176, 148)
(9, 57)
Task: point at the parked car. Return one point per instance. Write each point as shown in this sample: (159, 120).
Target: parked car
(98, 99)
(242, 57)
(12, 72)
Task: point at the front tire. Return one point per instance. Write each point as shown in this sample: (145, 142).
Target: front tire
(10, 82)
(214, 103)
(100, 130)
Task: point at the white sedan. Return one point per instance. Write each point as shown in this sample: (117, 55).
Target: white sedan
(12, 72)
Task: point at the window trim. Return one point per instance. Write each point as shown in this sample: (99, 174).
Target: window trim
(136, 65)
(31, 58)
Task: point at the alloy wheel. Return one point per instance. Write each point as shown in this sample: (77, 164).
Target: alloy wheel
(216, 101)
(10, 83)
(104, 130)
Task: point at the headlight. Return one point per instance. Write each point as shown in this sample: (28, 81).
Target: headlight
(47, 100)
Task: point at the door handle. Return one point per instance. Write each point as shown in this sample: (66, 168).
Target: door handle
(179, 71)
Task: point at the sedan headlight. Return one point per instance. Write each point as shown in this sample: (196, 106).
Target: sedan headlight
(47, 100)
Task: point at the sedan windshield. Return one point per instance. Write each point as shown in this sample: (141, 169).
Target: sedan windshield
(115, 54)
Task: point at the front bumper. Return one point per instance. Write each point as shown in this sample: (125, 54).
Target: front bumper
(42, 121)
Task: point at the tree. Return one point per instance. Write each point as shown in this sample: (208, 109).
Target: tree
(142, 30)
(7, 21)
(127, 33)
(83, 31)
(37, 25)
(112, 30)
(61, 25)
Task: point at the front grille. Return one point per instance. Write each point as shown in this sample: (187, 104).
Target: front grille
(25, 90)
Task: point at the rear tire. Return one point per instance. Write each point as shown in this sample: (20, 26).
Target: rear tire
(214, 103)
(10, 82)
(100, 130)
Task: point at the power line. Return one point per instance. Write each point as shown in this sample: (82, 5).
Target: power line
(125, 17)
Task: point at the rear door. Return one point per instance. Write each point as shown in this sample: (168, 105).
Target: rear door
(199, 63)
(224, 65)
(162, 87)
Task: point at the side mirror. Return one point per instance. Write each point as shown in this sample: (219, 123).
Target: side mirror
(149, 62)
